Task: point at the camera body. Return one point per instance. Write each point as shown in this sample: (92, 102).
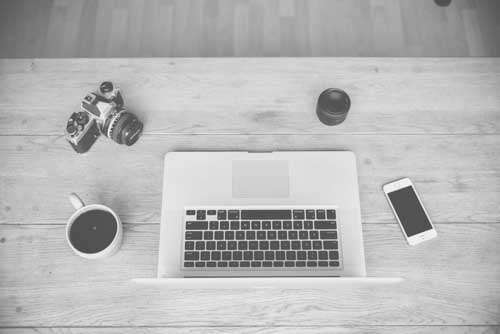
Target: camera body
(102, 113)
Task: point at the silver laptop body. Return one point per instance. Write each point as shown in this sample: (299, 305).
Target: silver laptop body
(249, 183)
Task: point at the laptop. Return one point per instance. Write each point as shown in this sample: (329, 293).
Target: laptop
(248, 215)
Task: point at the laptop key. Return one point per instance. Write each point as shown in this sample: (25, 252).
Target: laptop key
(197, 225)
(317, 244)
(271, 235)
(210, 245)
(320, 214)
(188, 264)
(333, 264)
(255, 225)
(306, 245)
(250, 235)
(208, 235)
(330, 214)
(242, 245)
(263, 245)
(308, 225)
(333, 255)
(323, 255)
(256, 264)
(289, 263)
(244, 264)
(221, 214)
(276, 225)
(280, 255)
(269, 255)
(300, 264)
(267, 264)
(221, 245)
(245, 225)
(282, 235)
(240, 235)
(266, 225)
(190, 212)
(298, 214)
(310, 214)
(224, 225)
(235, 225)
(297, 225)
(189, 245)
(278, 264)
(232, 245)
(253, 245)
(325, 225)
(261, 235)
(285, 245)
(200, 264)
(226, 256)
(312, 255)
(211, 264)
(233, 214)
(201, 215)
(303, 235)
(229, 235)
(312, 264)
(214, 225)
(313, 235)
(248, 255)
(330, 245)
(211, 212)
(194, 235)
(205, 256)
(222, 264)
(219, 235)
(258, 255)
(215, 256)
(290, 255)
(301, 255)
(328, 235)
(287, 225)
(200, 245)
(293, 235)
(238, 255)
(323, 263)
(274, 245)
(295, 245)
(233, 264)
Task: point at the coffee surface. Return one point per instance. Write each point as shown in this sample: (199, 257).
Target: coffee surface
(93, 231)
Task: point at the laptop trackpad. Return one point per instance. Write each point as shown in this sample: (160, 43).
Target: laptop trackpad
(260, 178)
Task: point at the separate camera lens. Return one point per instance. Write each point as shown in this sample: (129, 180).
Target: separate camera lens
(127, 129)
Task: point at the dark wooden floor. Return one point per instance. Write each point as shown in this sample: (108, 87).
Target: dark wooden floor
(190, 28)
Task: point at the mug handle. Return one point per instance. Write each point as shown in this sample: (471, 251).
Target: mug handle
(76, 201)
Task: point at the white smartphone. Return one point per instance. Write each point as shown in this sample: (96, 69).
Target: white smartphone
(409, 211)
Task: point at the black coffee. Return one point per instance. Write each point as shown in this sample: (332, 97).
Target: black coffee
(93, 231)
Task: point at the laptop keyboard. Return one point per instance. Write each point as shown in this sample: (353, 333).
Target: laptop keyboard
(222, 239)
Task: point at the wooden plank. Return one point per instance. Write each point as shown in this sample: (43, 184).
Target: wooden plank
(421, 96)
(452, 280)
(457, 176)
(259, 330)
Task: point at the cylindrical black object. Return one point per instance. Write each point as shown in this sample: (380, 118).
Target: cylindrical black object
(333, 106)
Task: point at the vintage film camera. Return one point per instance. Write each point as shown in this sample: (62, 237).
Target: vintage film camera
(102, 113)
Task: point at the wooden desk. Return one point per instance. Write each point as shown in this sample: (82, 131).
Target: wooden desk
(436, 121)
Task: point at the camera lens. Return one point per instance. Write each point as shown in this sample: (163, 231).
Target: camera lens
(125, 128)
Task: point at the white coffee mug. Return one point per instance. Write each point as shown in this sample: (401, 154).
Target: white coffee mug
(92, 236)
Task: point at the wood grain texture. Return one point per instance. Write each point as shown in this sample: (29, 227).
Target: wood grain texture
(38, 172)
(259, 330)
(436, 121)
(453, 280)
(260, 96)
(251, 28)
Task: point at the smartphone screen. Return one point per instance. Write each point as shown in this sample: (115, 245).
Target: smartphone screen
(410, 212)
